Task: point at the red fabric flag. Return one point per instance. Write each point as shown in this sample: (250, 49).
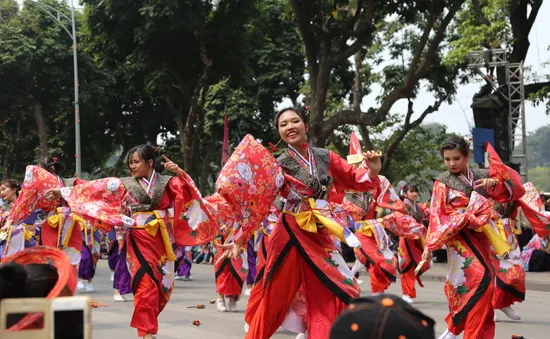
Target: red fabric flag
(225, 146)
(354, 144)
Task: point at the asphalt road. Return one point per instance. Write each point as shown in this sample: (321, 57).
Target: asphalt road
(113, 321)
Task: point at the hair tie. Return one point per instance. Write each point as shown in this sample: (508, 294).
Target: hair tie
(306, 110)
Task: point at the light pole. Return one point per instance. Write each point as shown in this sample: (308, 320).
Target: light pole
(56, 15)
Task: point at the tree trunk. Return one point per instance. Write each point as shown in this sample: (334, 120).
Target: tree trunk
(38, 116)
(317, 137)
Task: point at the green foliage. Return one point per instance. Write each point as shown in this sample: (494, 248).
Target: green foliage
(540, 177)
(37, 91)
(482, 24)
(416, 159)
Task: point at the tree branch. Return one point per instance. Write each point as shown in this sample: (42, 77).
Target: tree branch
(400, 134)
(535, 7)
(436, 41)
(362, 32)
(303, 22)
(421, 46)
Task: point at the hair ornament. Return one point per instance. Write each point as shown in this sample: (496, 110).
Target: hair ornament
(273, 147)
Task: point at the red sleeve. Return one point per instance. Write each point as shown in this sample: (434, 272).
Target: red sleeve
(194, 219)
(37, 182)
(446, 221)
(98, 200)
(510, 187)
(348, 178)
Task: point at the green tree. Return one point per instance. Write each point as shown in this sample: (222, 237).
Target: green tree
(539, 176)
(538, 148)
(334, 31)
(177, 49)
(36, 91)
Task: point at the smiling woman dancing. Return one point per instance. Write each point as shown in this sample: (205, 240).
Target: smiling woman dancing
(301, 250)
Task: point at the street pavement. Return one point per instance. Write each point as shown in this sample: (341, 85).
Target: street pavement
(113, 321)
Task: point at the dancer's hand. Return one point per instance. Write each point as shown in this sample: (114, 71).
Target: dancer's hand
(53, 194)
(372, 159)
(486, 183)
(170, 165)
(426, 255)
(231, 251)
(6, 226)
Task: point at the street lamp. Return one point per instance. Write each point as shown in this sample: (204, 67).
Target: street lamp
(56, 15)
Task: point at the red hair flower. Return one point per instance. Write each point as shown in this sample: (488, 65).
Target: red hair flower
(272, 147)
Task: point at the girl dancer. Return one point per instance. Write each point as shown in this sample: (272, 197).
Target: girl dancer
(410, 250)
(459, 214)
(301, 253)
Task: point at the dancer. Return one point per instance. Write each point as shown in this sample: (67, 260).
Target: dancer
(301, 253)
(458, 219)
(184, 263)
(510, 272)
(122, 279)
(24, 234)
(252, 250)
(112, 252)
(146, 196)
(57, 228)
(375, 252)
(90, 255)
(230, 273)
(410, 250)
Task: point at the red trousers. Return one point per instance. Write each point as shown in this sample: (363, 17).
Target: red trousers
(480, 319)
(272, 306)
(504, 299)
(146, 307)
(408, 282)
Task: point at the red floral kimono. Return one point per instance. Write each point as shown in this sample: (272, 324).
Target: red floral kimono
(230, 273)
(410, 253)
(457, 217)
(303, 254)
(509, 272)
(58, 230)
(145, 208)
(375, 252)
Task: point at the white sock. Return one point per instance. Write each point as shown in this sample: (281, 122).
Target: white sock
(357, 267)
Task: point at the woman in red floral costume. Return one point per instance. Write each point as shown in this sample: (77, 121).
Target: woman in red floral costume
(159, 210)
(410, 250)
(57, 228)
(375, 252)
(459, 216)
(300, 253)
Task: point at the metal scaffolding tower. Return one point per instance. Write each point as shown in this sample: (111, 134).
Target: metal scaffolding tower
(515, 97)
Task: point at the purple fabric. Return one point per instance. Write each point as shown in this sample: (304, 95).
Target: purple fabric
(2, 249)
(113, 256)
(185, 268)
(251, 277)
(86, 269)
(123, 280)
